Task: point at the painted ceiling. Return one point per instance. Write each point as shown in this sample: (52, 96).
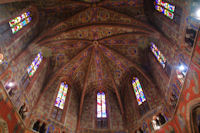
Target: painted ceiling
(96, 44)
(52, 12)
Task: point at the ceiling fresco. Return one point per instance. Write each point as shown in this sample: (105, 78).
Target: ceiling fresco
(116, 39)
(94, 43)
(90, 16)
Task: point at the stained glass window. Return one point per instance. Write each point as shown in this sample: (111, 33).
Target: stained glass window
(138, 91)
(165, 8)
(101, 105)
(35, 64)
(61, 96)
(19, 22)
(162, 60)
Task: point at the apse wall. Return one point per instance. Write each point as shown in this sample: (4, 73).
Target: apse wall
(89, 116)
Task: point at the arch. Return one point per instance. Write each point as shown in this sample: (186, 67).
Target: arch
(189, 108)
(195, 118)
(3, 126)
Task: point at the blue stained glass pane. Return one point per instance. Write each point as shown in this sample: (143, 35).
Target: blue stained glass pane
(29, 69)
(28, 13)
(103, 115)
(66, 86)
(24, 23)
(141, 99)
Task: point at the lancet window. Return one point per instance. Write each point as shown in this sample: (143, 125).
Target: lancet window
(35, 64)
(59, 105)
(19, 22)
(159, 56)
(138, 91)
(165, 8)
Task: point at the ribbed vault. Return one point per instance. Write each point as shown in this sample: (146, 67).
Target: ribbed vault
(95, 47)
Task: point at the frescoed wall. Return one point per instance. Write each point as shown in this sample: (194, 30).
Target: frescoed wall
(189, 99)
(10, 121)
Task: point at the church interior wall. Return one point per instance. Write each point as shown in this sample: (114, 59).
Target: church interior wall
(189, 97)
(41, 102)
(11, 119)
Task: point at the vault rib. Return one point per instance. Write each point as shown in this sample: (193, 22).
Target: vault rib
(56, 74)
(114, 85)
(84, 91)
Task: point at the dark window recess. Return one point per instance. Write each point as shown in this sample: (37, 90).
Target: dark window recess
(26, 83)
(168, 69)
(42, 128)
(177, 15)
(4, 27)
(190, 36)
(143, 108)
(36, 125)
(139, 130)
(25, 80)
(102, 123)
(57, 114)
(162, 119)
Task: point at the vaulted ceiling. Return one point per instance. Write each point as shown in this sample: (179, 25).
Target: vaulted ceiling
(111, 41)
(94, 43)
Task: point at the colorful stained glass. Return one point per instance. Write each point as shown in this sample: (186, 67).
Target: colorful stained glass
(138, 91)
(61, 96)
(161, 59)
(165, 8)
(19, 22)
(101, 105)
(35, 64)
